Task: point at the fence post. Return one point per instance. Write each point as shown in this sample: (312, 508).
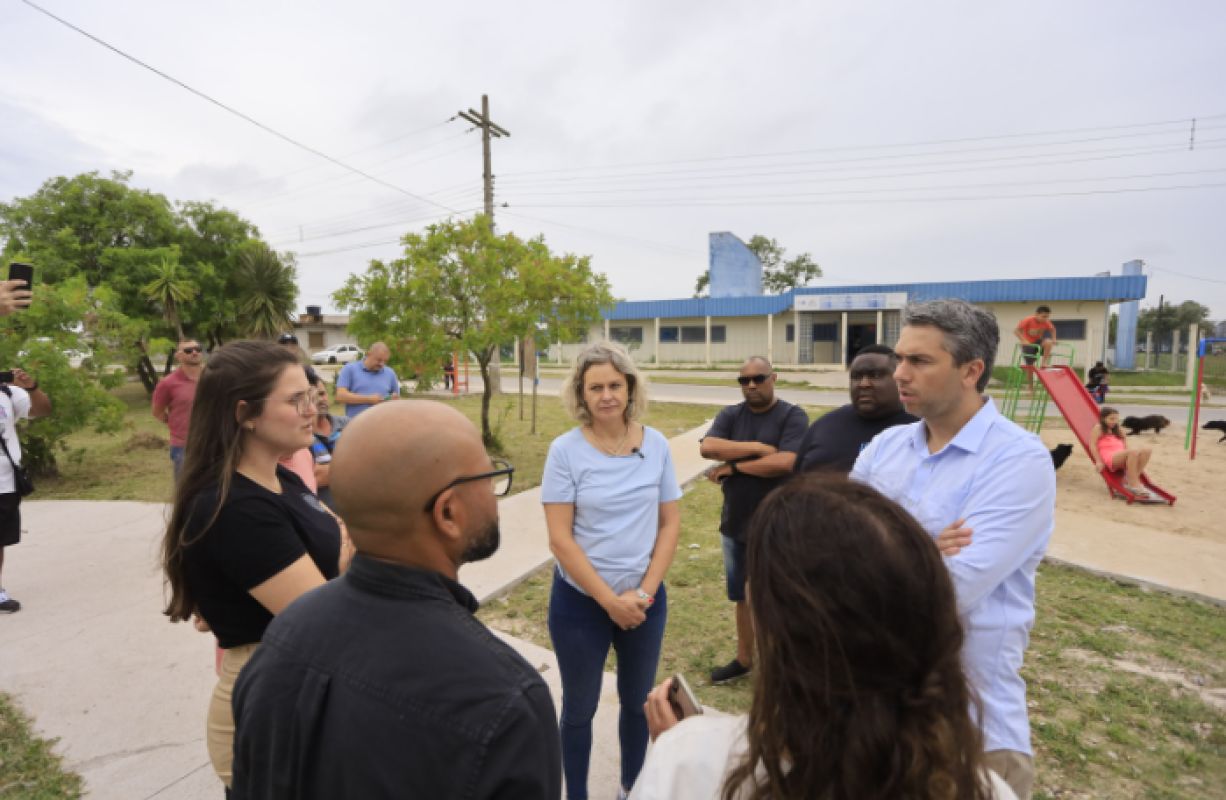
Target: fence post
(1193, 349)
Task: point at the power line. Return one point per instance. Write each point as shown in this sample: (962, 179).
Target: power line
(672, 249)
(846, 148)
(245, 117)
(1185, 275)
(699, 203)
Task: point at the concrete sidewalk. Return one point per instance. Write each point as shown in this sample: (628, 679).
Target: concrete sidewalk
(99, 668)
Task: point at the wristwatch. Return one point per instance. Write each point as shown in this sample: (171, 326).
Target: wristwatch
(735, 470)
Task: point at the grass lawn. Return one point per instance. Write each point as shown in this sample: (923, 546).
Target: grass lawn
(28, 767)
(1121, 704)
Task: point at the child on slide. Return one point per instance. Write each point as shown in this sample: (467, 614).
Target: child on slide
(1109, 449)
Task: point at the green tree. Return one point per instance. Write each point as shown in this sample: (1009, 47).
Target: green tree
(69, 318)
(779, 273)
(171, 288)
(211, 240)
(461, 285)
(268, 288)
(1173, 317)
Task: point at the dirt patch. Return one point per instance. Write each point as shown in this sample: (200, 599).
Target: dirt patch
(1189, 682)
(1197, 485)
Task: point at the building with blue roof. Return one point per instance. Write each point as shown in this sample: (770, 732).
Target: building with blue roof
(827, 325)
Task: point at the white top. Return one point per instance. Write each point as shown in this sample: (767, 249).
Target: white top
(617, 502)
(11, 409)
(690, 760)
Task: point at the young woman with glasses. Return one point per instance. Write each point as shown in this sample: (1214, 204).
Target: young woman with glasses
(246, 537)
(610, 496)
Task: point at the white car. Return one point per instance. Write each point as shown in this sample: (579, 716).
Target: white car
(340, 354)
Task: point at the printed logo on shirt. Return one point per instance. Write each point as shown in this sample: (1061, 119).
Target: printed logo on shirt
(313, 501)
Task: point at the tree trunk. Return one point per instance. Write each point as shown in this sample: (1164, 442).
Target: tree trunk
(170, 361)
(483, 360)
(144, 369)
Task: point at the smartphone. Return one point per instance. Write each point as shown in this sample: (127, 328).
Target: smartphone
(6, 376)
(681, 698)
(22, 272)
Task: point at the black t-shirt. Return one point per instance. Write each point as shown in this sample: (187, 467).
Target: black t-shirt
(783, 426)
(1096, 376)
(835, 440)
(257, 534)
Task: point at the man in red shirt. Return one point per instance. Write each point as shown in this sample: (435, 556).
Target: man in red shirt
(1037, 334)
(174, 396)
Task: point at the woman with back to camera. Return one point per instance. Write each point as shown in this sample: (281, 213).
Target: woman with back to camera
(246, 537)
(859, 692)
(610, 496)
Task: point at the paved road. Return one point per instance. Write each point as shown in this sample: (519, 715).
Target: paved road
(722, 396)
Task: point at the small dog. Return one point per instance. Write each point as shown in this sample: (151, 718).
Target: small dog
(1218, 425)
(1153, 422)
(1060, 454)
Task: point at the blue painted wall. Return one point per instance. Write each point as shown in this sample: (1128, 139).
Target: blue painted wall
(735, 271)
(1126, 328)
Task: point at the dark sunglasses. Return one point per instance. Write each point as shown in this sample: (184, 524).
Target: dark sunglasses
(745, 380)
(190, 350)
(502, 482)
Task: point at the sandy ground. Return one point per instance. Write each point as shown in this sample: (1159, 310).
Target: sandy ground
(1197, 485)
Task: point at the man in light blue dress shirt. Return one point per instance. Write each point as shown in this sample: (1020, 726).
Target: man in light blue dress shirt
(986, 490)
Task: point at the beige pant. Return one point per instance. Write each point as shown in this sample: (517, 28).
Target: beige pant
(220, 733)
(1016, 769)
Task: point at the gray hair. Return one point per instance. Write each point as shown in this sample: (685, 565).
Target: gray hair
(603, 353)
(970, 332)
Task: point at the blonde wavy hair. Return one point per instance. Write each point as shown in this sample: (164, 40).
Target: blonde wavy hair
(615, 355)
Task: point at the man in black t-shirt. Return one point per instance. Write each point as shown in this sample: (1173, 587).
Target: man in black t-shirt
(757, 440)
(835, 440)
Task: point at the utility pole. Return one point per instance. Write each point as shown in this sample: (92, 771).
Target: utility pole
(488, 129)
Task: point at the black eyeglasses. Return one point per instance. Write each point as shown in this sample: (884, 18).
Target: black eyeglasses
(501, 475)
(745, 380)
(186, 350)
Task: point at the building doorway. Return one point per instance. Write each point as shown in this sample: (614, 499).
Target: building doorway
(860, 336)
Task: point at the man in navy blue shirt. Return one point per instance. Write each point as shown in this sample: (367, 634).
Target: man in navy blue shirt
(835, 439)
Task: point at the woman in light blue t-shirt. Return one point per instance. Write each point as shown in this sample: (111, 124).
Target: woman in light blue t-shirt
(610, 496)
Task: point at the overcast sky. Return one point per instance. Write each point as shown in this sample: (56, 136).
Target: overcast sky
(893, 142)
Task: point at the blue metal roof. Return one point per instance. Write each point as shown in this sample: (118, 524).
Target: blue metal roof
(1111, 288)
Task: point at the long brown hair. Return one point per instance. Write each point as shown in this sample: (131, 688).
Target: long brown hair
(859, 692)
(239, 371)
(1114, 430)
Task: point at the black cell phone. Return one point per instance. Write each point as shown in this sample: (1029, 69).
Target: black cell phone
(681, 697)
(6, 376)
(22, 272)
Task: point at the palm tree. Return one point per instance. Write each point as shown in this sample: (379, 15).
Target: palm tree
(170, 288)
(268, 290)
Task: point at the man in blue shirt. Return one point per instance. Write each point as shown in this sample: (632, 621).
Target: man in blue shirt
(985, 489)
(365, 383)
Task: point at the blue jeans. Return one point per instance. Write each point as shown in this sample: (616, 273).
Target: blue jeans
(176, 458)
(581, 632)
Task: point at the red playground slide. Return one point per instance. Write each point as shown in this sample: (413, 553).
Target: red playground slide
(1081, 412)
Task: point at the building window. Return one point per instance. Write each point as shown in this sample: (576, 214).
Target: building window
(627, 334)
(669, 334)
(1074, 329)
(789, 334)
(825, 332)
(693, 334)
(719, 334)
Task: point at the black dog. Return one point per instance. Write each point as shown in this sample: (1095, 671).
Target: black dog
(1154, 422)
(1060, 454)
(1218, 425)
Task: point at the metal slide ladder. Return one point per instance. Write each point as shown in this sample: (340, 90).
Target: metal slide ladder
(1027, 404)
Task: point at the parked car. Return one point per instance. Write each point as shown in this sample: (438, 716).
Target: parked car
(340, 354)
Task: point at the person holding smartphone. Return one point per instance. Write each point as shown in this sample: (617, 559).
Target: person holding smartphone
(15, 295)
(610, 495)
(20, 398)
(859, 688)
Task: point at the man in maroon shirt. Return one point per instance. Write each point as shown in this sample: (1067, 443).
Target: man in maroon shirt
(174, 395)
